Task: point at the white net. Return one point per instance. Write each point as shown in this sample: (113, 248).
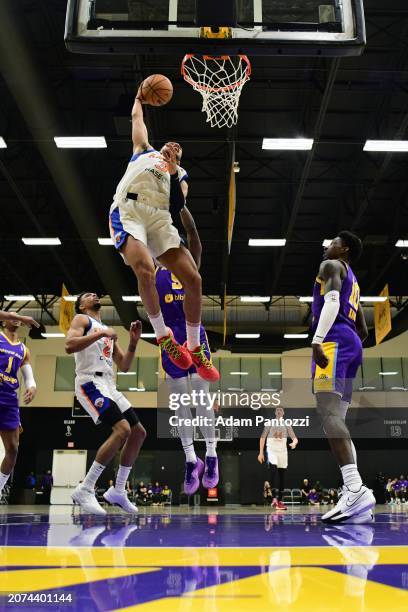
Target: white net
(220, 81)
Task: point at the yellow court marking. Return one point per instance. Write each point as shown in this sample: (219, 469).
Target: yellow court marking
(180, 557)
(300, 589)
(43, 579)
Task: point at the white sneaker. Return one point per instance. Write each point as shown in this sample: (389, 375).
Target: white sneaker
(120, 499)
(87, 500)
(351, 505)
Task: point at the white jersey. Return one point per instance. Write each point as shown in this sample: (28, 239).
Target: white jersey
(98, 357)
(147, 174)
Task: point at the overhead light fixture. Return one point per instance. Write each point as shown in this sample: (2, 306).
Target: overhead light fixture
(388, 373)
(235, 389)
(80, 142)
(386, 146)
(236, 167)
(248, 335)
(126, 373)
(265, 242)
(70, 298)
(287, 144)
(374, 298)
(268, 389)
(105, 241)
(274, 373)
(131, 298)
(2, 143)
(402, 244)
(140, 389)
(306, 298)
(52, 335)
(148, 335)
(239, 373)
(19, 298)
(367, 388)
(41, 241)
(399, 389)
(255, 298)
(327, 242)
(295, 336)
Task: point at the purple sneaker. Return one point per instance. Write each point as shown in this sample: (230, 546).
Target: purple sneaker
(211, 476)
(192, 476)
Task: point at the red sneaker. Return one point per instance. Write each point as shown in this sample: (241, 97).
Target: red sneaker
(203, 365)
(274, 503)
(179, 355)
(281, 506)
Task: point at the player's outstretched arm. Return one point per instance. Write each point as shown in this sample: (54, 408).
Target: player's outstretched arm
(140, 137)
(124, 360)
(193, 237)
(361, 324)
(76, 341)
(13, 316)
(331, 273)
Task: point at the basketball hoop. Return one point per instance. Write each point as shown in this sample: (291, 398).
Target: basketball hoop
(220, 81)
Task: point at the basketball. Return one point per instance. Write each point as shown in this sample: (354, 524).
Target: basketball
(157, 90)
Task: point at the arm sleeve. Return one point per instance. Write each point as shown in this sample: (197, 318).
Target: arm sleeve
(328, 316)
(28, 376)
(177, 200)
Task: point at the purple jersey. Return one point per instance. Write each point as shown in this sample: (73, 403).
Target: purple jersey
(171, 296)
(12, 355)
(349, 300)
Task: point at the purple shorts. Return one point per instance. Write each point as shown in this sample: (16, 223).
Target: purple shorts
(345, 352)
(180, 335)
(9, 413)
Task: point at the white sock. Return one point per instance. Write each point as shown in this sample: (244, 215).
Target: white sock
(211, 448)
(158, 325)
(92, 476)
(3, 479)
(121, 478)
(193, 335)
(351, 477)
(189, 451)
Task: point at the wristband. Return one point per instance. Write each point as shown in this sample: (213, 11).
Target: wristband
(132, 348)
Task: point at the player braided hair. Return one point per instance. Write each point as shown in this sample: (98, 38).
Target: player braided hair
(354, 244)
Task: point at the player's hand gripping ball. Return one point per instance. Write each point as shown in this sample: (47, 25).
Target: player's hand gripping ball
(156, 90)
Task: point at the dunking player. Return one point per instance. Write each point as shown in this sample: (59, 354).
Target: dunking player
(339, 328)
(141, 228)
(14, 356)
(172, 295)
(276, 438)
(96, 348)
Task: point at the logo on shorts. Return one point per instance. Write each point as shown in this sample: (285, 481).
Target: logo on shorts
(168, 298)
(324, 377)
(99, 402)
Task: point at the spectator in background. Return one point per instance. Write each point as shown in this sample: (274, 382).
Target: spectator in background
(305, 490)
(318, 486)
(389, 491)
(31, 481)
(333, 496)
(314, 497)
(157, 494)
(128, 488)
(141, 495)
(47, 482)
(267, 492)
(166, 493)
(397, 486)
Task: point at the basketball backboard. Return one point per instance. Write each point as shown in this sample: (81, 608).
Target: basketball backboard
(264, 27)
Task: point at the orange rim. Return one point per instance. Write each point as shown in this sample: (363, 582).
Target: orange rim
(231, 87)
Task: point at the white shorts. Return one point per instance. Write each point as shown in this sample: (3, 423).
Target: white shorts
(152, 226)
(277, 456)
(94, 393)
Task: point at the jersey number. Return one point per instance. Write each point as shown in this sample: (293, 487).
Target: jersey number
(10, 365)
(175, 283)
(354, 300)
